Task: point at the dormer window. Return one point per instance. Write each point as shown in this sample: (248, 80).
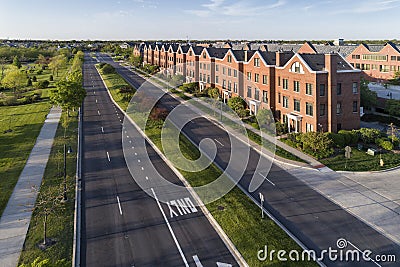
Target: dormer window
(229, 58)
(297, 68)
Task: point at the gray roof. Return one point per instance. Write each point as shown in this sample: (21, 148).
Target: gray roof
(217, 52)
(344, 50)
(282, 47)
(317, 62)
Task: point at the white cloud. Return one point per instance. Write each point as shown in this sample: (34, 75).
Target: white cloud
(239, 8)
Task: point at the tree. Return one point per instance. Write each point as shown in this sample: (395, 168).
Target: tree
(237, 104)
(213, 93)
(316, 141)
(368, 97)
(16, 62)
(14, 79)
(42, 61)
(393, 107)
(57, 63)
(135, 60)
(3, 62)
(266, 121)
(69, 95)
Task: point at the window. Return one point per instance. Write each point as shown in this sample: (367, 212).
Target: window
(229, 86)
(358, 66)
(322, 110)
(296, 85)
(265, 97)
(308, 88)
(297, 68)
(256, 62)
(339, 126)
(256, 77)
(229, 72)
(355, 88)
(355, 106)
(208, 66)
(285, 102)
(285, 84)
(322, 90)
(208, 79)
(279, 81)
(392, 68)
(235, 73)
(375, 57)
(249, 91)
(223, 84)
(217, 79)
(383, 68)
(279, 98)
(309, 128)
(265, 79)
(374, 66)
(309, 109)
(297, 105)
(339, 89)
(339, 108)
(229, 58)
(257, 94)
(216, 67)
(355, 56)
(204, 55)
(223, 70)
(398, 58)
(235, 87)
(249, 76)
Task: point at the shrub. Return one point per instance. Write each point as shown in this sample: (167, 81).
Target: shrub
(281, 128)
(102, 64)
(51, 78)
(42, 84)
(368, 136)
(29, 83)
(338, 139)
(40, 72)
(385, 144)
(34, 79)
(10, 101)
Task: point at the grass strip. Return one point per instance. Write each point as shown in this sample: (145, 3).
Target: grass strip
(60, 225)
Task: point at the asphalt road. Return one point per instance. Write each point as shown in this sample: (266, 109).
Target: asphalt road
(121, 224)
(313, 219)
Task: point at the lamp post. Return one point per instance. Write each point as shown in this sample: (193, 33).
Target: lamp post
(65, 198)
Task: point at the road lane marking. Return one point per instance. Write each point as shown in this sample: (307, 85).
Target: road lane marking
(96, 100)
(108, 156)
(183, 206)
(197, 261)
(138, 160)
(135, 154)
(142, 169)
(119, 205)
(170, 229)
(269, 181)
(221, 264)
(219, 142)
(98, 112)
(147, 178)
(102, 129)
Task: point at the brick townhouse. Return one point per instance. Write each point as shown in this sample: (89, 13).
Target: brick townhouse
(308, 91)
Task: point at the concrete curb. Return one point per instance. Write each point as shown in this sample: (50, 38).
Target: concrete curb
(239, 258)
(76, 250)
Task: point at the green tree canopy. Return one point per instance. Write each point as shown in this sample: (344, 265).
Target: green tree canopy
(69, 95)
(16, 62)
(57, 63)
(393, 107)
(368, 97)
(14, 79)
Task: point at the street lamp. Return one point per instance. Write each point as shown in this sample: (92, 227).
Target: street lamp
(69, 151)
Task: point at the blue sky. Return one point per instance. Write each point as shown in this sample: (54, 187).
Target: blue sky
(199, 19)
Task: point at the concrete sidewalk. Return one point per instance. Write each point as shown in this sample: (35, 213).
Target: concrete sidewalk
(15, 220)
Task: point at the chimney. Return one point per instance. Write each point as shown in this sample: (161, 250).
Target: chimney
(331, 68)
(246, 56)
(279, 58)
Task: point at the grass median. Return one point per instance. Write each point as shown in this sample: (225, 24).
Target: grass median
(238, 216)
(19, 129)
(60, 224)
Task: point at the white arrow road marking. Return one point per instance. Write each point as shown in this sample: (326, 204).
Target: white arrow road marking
(266, 179)
(170, 229)
(197, 261)
(119, 206)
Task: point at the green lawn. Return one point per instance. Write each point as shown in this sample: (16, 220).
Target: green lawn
(361, 161)
(25, 122)
(114, 82)
(60, 224)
